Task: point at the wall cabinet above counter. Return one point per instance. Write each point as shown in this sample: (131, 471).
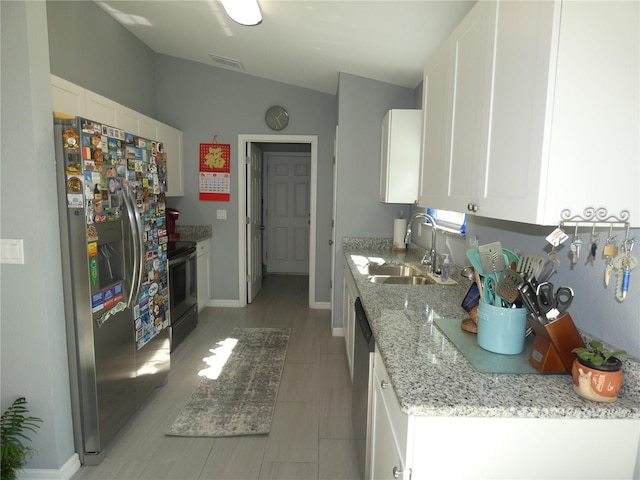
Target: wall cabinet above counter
(530, 108)
(74, 100)
(400, 156)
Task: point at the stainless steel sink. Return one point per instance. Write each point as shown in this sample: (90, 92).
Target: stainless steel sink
(401, 280)
(393, 270)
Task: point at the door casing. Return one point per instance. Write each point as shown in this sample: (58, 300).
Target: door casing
(243, 139)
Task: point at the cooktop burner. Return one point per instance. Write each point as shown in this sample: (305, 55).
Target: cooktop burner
(175, 249)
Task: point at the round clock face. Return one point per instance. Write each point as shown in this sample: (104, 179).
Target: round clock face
(277, 118)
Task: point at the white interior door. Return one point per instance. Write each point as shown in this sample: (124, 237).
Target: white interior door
(332, 240)
(288, 212)
(254, 221)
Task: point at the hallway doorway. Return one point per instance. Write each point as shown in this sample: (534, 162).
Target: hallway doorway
(248, 221)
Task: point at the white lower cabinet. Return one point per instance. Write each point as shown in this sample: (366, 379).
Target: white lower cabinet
(349, 314)
(204, 273)
(412, 447)
(389, 428)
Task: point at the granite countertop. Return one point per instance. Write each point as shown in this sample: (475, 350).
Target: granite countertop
(431, 377)
(194, 233)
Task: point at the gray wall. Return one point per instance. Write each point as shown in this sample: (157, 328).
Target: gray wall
(34, 355)
(204, 101)
(594, 309)
(82, 32)
(362, 103)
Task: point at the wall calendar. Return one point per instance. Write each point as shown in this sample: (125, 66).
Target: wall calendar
(215, 172)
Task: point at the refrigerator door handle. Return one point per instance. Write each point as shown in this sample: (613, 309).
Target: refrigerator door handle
(133, 228)
(141, 246)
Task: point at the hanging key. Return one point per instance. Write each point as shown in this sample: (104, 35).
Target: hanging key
(610, 251)
(592, 253)
(575, 249)
(624, 263)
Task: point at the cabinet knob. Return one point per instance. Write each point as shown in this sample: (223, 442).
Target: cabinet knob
(384, 384)
(352, 303)
(397, 472)
(472, 207)
(330, 242)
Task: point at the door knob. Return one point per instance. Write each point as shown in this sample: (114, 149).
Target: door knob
(261, 227)
(330, 242)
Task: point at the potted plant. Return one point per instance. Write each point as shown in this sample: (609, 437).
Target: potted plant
(14, 425)
(597, 372)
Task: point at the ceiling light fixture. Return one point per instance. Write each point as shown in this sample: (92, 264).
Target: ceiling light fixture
(244, 12)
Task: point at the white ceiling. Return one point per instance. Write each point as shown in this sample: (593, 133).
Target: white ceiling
(300, 42)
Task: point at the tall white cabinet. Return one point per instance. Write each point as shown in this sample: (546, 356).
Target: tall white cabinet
(77, 101)
(400, 156)
(552, 122)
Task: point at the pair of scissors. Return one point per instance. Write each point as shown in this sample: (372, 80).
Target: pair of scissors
(553, 305)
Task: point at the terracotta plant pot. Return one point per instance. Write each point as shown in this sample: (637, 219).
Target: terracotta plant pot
(598, 383)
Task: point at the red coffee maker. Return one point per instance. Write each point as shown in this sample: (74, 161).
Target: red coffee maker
(172, 218)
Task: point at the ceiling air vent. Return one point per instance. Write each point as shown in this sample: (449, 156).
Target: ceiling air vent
(227, 62)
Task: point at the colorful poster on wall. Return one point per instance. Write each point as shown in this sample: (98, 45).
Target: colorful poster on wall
(215, 172)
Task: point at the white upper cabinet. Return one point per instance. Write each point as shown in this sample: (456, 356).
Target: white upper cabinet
(558, 125)
(400, 156)
(149, 128)
(129, 120)
(172, 141)
(457, 94)
(100, 108)
(74, 100)
(68, 98)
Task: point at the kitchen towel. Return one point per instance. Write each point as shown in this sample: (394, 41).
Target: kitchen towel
(399, 230)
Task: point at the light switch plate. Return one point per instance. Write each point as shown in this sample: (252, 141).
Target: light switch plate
(11, 250)
(221, 214)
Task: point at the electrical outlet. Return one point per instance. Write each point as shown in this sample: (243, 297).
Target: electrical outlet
(221, 214)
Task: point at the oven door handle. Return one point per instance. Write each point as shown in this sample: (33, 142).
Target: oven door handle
(182, 258)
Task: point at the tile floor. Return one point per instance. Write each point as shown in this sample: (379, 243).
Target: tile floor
(311, 436)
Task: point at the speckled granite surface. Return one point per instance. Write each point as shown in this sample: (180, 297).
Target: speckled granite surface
(194, 233)
(432, 378)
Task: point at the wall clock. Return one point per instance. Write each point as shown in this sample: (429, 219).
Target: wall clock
(277, 118)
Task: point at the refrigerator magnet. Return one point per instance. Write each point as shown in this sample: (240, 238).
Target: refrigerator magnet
(71, 139)
(92, 233)
(74, 200)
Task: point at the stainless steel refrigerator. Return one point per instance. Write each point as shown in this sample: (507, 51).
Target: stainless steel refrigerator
(114, 241)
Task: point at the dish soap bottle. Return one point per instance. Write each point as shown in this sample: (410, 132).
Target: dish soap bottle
(444, 273)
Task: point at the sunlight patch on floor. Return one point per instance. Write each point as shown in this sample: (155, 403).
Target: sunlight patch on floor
(218, 359)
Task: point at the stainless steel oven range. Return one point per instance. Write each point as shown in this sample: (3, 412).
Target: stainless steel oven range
(183, 290)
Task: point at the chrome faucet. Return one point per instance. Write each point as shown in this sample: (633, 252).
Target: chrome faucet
(428, 220)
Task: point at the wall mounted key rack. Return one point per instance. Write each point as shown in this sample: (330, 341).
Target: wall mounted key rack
(618, 260)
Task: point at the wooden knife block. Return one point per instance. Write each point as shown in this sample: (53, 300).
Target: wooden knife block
(551, 349)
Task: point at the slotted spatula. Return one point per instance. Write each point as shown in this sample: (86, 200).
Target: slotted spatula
(493, 264)
(530, 265)
(492, 258)
(508, 285)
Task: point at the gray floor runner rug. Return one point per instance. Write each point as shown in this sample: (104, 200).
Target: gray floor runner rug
(241, 400)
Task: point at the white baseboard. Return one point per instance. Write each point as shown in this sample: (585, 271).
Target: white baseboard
(65, 472)
(224, 303)
(236, 304)
(337, 332)
(322, 305)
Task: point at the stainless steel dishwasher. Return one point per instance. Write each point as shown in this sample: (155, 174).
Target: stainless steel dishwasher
(363, 349)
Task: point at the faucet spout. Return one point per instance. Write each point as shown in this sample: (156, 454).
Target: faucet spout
(428, 220)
